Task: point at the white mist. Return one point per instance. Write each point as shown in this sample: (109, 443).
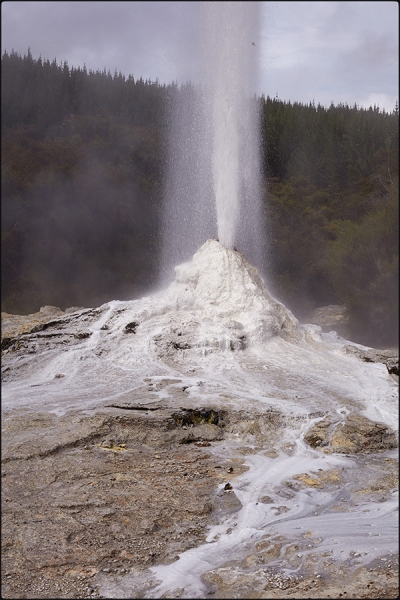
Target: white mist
(231, 60)
(213, 182)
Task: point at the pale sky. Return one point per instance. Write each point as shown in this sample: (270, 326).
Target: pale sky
(322, 51)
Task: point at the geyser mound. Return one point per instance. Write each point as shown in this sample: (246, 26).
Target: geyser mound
(301, 413)
(216, 321)
(222, 303)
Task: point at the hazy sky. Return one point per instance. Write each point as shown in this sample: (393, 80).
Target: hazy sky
(321, 51)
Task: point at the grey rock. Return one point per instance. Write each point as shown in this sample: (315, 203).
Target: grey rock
(331, 318)
(73, 309)
(14, 325)
(389, 357)
(356, 434)
(77, 502)
(201, 433)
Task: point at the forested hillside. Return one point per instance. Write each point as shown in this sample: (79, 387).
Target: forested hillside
(332, 198)
(83, 161)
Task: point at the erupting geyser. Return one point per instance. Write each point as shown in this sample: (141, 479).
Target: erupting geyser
(300, 408)
(213, 187)
(231, 59)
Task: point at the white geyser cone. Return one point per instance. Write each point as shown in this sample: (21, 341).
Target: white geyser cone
(226, 296)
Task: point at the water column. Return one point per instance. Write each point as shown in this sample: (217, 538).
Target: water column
(225, 57)
(213, 182)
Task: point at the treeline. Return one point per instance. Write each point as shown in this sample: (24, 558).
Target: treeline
(83, 162)
(82, 168)
(331, 179)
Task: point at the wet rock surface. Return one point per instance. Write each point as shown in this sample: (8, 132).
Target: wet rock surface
(95, 496)
(389, 357)
(257, 582)
(331, 318)
(88, 498)
(14, 325)
(84, 495)
(355, 434)
(50, 327)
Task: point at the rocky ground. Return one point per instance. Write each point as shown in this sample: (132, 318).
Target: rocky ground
(332, 317)
(91, 497)
(94, 497)
(13, 325)
(103, 494)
